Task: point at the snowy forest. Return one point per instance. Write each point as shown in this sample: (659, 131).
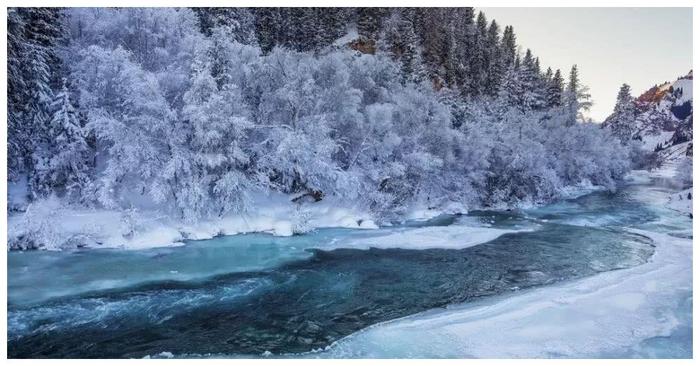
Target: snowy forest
(193, 110)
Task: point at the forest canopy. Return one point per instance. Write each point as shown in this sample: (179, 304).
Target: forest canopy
(193, 110)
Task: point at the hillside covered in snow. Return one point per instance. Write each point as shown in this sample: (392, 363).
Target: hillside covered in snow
(660, 117)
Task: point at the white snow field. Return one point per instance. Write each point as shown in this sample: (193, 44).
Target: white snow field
(624, 313)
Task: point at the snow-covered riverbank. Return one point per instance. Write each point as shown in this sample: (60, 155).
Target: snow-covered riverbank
(54, 226)
(51, 225)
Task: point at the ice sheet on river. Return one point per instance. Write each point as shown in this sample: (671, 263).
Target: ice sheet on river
(434, 237)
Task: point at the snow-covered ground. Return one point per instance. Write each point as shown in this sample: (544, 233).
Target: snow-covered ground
(682, 201)
(673, 167)
(635, 312)
(651, 141)
(57, 226)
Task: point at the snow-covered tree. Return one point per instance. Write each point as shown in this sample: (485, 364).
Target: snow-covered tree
(209, 175)
(67, 168)
(34, 35)
(531, 93)
(239, 23)
(555, 89)
(576, 98)
(402, 41)
(479, 57)
(369, 22)
(622, 120)
(508, 47)
(496, 66)
(131, 120)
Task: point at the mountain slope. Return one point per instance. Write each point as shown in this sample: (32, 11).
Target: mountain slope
(664, 115)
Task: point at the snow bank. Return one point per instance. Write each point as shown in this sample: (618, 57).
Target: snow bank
(638, 177)
(276, 214)
(49, 224)
(669, 172)
(440, 237)
(583, 188)
(682, 201)
(425, 212)
(601, 316)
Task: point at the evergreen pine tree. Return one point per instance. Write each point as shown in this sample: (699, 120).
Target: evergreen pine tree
(508, 47)
(531, 93)
(555, 89)
(267, 28)
(411, 64)
(33, 72)
(576, 98)
(479, 62)
(621, 121)
(18, 142)
(452, 50)
(510, 91)
(239, 22)
(67, 171)
(464, 36)
(368, 22)
(548, 75)
(495, 66)
(331, 23)
(432, 21)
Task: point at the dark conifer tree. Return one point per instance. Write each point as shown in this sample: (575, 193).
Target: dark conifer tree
(555, 89)
(495, 65)
(621, 121)
(17, 93)
(33, 71)
(240, 22)
(464, 35)
(576, 97)
(479, 61)
(548, 75)
(508, 47)
(369, 22)
(331, 25)
(267, 27)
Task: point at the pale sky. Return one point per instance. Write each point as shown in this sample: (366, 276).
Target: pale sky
(638, 46)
